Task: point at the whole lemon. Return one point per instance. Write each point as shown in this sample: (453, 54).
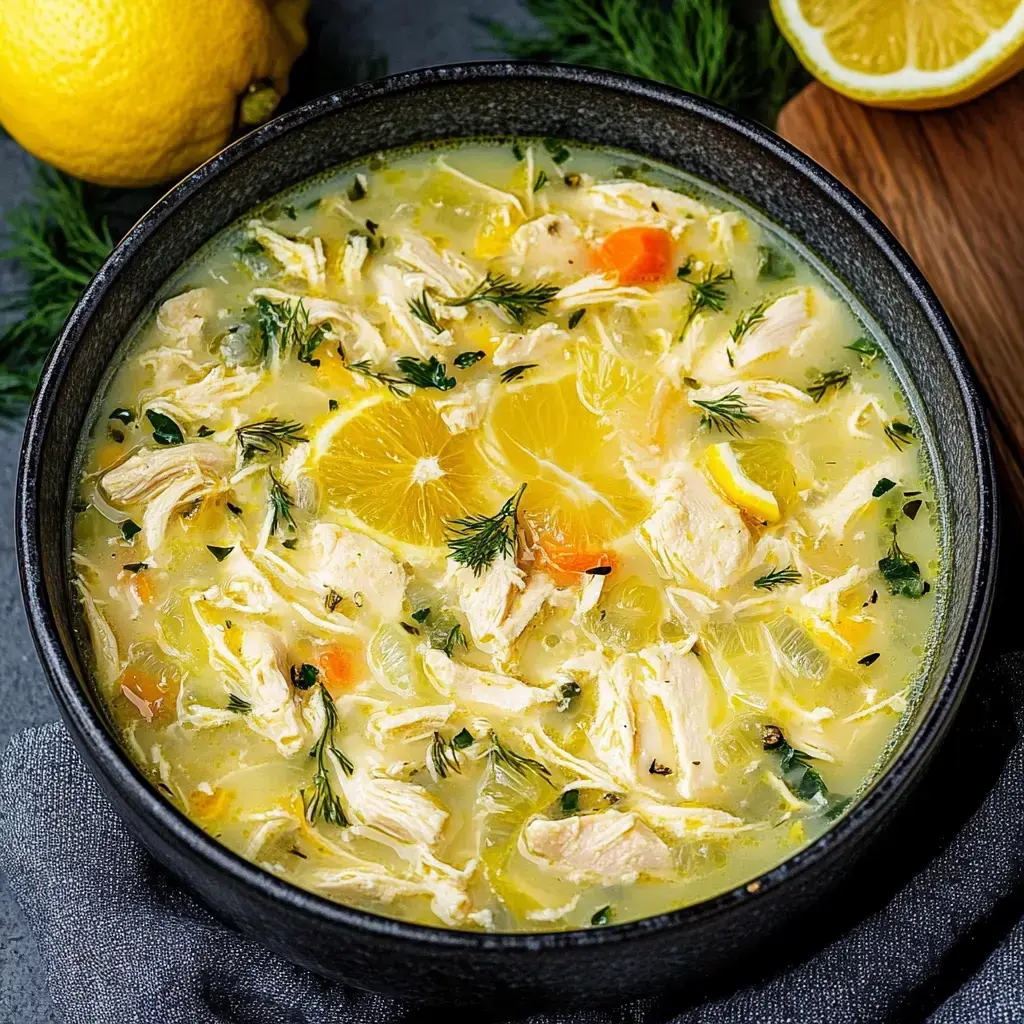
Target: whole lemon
(137, 92)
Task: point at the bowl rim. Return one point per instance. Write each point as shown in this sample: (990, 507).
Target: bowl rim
(91, 734)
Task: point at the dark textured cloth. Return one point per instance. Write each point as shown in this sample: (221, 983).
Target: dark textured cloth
(939, 939)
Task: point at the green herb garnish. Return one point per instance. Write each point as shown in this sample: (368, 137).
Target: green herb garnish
(135, 566)
(515, 372)
(902, 574)
(129, 528)
(238, 704)
(569, 802)
(869, 659)
(778, 578)
(268, 437)
(165, 430)
(281, 503)
(357, 190)
(462, 739)
(541, 180)
(511, 297)
(803, 780)
(501, 757)
(420, 308)
(900, 434)
(464, 360)
(284, 326)
(567, 693)
(476, 541)
(557, 150)
(331, 600)
(398, 386)
(601, 917)
(455, 638)
(324, 804)
(773, 265)
(304, 676)
(749, 319)
(420, 615)
(707, 293)
(427, 373)
(725, 413)
(219, 553)
(830, 379)
(866, 348)
(884, 486)
(576, 316)
(205, 431)
(444, 756)
(911, 508)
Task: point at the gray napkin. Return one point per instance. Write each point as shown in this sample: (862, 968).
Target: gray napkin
(122, 942)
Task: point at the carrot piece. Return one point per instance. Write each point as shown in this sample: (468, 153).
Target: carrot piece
(150, 694)
(565, 564)
(142, 587)
(637, 254)
(340, 669)
(206, 806)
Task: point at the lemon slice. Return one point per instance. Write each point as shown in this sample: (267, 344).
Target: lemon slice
(721, 465)
(393, 464)
(577, 490)
(907, 54)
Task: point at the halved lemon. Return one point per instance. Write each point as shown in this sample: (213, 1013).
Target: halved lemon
(578, 492)
(722, 466)
(766, 461)
(393, 464)
(907, 54)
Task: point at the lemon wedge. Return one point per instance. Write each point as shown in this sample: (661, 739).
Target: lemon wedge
(393, 464)
(722, 466)
(906, 54)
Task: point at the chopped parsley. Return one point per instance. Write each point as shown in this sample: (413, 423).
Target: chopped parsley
(165, 430)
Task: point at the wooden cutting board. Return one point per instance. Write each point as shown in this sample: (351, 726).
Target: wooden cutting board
(950, 185)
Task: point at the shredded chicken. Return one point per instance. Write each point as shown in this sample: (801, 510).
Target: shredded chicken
(646, 204)
(489, 689)
(351, 563)
(275, 711)
(539, 343)
(418, 723)
(400, 809)
(834, 515)
(300, 260)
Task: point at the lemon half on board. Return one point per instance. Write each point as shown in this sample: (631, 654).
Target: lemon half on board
(394, 465)
(907, 54)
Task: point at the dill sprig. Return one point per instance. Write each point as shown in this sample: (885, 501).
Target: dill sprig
(702, 46)
(900, 434)
(426, 373)
(748, 320)
(501, 758)
(830, 379)
(239, 705)
(515, 372)
(396, 385)
(725, 413)
(268, 437)
(707, 293)
(282, 503)
(444, 757)
(455, 638)
(285, 326)
(324, 804)
(476, 541)
(420, 308)
(58, 241)
(778, 578)
(511, 297)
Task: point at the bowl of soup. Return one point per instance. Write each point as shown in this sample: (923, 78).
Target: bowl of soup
(510, 531)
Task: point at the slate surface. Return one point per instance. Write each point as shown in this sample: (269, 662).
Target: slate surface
(409, 34)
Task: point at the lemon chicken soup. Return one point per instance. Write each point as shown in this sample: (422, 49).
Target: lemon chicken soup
(505, 537)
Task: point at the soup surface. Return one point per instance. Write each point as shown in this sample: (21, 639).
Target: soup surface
(505, 537)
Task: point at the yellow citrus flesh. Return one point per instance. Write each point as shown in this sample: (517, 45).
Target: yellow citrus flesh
(906, 54)
(721, 465)
(138, 93)
(577, 491)
(766, 462)
(394, 465)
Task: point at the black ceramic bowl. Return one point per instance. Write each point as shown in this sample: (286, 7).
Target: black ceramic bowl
(642, 957)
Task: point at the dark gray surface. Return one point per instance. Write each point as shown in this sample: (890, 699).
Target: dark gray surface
(409, 34)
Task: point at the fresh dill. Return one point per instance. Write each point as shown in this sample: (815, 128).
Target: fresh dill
(284, 326)
(820, 387)
(515, 372)
(503, 759)
(868, 349)
(464, 360)
(725, 413)
(219, 553)
(455, 638)
(576, 316)
(749, 319)
(444, 757)
(778, 578)
(900, 434)
(268, 437)
(420, 615)
(421, 309)
(557, 150)
(324, 804)
(884, 486)
(708, 293)
(304, 676)
(426, 373)
(331, 600)
(541, 180)
(702, 46)
(165, 430)
(901, 573)
(281, 503)
(476, 541)
(601, 917)
(398, 386)
(567, 694)
(238, 704)
(569, 802)
(130, 529)
(512, 298)
(57, 239)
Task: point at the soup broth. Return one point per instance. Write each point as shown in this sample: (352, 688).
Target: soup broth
(505, 537)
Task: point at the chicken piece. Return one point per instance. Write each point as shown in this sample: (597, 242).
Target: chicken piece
(104, 642)
(300, 260)
(206, 399)
(674, 683)
(395, 291)
(166, 478)
(727, 234)
(694, 531)
(275, 710)
(350, 562)
(184, 316)
(403, 810)
(357, 248)
(499, 603)
(597, 288)
(825, 599)
(613, 730)
(608, 848)
(444, 271)
(834, 515)
(420, 723)
(465, 408)
(551, 247)
(689, 822)
(864, 405)
(468, 685)
(542, 231)
(589, 594)
(769, 401)
(646, 204)
(540, 343)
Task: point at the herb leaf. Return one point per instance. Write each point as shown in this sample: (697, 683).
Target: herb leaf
(129, 528)
(900, 434)
(778, 578)
(749, 319)
(503, 758)
(708, 293)
(464, 360)
(884, 486)
(324, 804)
(802, 780)
(165, 430)
(773, 265)
(830, 379)
(396, 385)
(304, 676)
(511, 297)
(866, 348)
(576, 316)
(444, 757)
(455, 638)
(420, 308)
(515, 372)
(902, 574)
(281, 502)
(601, 917)
(725, 413)
(239, 705)
(268, 437)
(426, 373)
(219, 553)
(476, 541)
